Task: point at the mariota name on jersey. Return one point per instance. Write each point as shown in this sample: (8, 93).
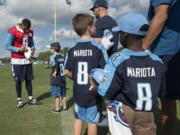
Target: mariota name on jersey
(141, 72)
(82, 53)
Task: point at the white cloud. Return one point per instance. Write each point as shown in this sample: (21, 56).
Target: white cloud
(64, 34)
(41, 13)
(119, 7)
(6, 18)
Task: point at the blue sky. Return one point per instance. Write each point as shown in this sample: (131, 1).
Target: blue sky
(41, 14)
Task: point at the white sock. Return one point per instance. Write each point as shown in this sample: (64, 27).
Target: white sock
(30, 97)
(19, 99)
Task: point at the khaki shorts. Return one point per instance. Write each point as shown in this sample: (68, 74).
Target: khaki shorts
(140, 123)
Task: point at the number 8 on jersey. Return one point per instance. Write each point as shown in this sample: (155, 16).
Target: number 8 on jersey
(82, 75)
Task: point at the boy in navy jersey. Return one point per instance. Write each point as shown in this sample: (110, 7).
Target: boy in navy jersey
(58, 82)
(133, 79)
(80, 60)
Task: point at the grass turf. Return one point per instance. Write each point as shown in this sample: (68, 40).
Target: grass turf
(37, 120)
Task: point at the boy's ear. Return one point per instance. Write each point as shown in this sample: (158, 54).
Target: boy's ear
(89, 28)
(92, 29)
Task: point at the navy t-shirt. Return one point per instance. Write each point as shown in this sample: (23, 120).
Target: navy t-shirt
(168, 42)
(80, 60)
(57, 63)
(134, 78)
(107, 23)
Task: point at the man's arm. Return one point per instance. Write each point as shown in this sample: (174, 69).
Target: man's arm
(156, 25)
(10, 47)
(68, 66)
(9, 42)
(31, 42)
(32, 46)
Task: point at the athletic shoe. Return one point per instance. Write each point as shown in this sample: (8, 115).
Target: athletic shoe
(55, 111)
(65, 109)
(19, 104)
(33, 101)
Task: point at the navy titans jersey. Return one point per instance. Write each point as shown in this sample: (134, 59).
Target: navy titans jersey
(107, 23)
(57, 63)
(134, 78)
(80, 60)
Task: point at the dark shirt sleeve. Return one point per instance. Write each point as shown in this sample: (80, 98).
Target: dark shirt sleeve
(115, 86)
(102, 59)
(31, 43)
(31, 40)
(68, 61)
(99, 29)
(56, 66)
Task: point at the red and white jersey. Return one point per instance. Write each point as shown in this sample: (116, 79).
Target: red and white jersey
(20, 38)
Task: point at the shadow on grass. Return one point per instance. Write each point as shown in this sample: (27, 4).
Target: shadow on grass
(70, 103)
(44, 96)
(48, 94)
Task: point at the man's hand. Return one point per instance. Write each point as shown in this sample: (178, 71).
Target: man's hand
(105, 42)
(92, 85)
(32, 51)
(54, 74)
(22, 49)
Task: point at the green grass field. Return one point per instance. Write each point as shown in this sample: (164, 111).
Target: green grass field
(37, 120)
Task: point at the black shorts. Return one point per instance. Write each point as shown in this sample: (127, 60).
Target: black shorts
(172, 76)
(22, 72)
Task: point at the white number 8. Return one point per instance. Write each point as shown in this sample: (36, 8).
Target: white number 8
(61, 69)
(144, 98)
(25, 42)
(82, 75)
